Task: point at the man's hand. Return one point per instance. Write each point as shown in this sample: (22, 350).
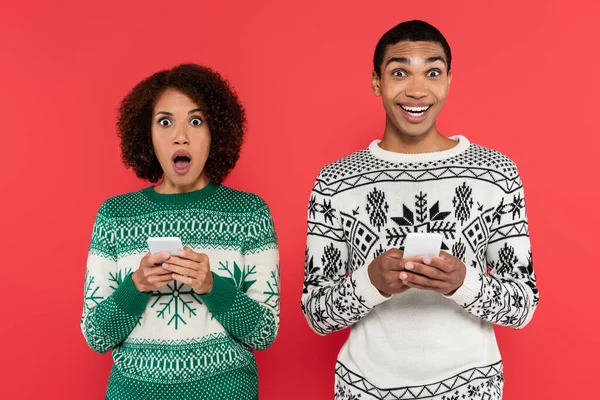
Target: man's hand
(384, 272)
(443, 274)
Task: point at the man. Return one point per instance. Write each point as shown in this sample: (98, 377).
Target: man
(421, 327)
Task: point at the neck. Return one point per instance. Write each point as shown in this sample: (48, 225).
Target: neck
(399, 142)
(167, 186)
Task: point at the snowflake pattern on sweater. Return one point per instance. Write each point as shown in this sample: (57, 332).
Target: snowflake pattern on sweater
(367, 203)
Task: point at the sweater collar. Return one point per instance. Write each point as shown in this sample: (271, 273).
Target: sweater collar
(377, 152)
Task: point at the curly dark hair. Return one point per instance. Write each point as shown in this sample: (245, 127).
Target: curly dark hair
(225, 116)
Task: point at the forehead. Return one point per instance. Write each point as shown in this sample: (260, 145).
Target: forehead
(414, 50)
(174, 98)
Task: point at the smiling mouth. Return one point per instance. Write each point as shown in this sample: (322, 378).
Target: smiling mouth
(416, 111)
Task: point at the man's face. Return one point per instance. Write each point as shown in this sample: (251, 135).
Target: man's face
(413, 86)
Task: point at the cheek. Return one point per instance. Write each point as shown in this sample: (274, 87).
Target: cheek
(202, 145)
(206, 141)
(159, 146)
(391, 90)
(441, 92)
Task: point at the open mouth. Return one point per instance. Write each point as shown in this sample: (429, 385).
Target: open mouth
(181, 162)
(415, 113)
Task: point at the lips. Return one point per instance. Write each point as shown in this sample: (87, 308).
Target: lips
(181, 162)
(415, 113)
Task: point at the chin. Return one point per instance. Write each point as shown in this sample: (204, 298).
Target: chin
(413, 131)
(184, 181)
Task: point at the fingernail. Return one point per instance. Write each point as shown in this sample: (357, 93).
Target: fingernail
(182, 253)
(165, 265)
(426, 259)
(403, 275)
(166, 256)
(409, 266)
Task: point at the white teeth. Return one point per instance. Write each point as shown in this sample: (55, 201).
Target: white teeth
(415, 109)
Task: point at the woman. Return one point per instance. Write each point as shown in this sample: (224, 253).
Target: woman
(182, 327)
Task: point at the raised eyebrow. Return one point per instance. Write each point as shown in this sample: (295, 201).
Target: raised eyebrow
(434, 59)
(165, 113)
(405, 60)
(194, 110)
(401, 60)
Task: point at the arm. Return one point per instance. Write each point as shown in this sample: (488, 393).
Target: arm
(508, 296)
(247, 302)
(112, 304)
(333, 298)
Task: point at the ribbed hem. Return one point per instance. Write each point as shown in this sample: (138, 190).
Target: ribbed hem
(467, 293)
(129, 299)
(365, 289)
(181, 198)
(378, 152)
(221, 297)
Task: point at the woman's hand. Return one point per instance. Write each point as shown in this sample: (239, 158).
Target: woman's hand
(150, 276)
(191, 268)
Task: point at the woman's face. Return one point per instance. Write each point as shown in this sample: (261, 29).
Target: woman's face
(181, 141)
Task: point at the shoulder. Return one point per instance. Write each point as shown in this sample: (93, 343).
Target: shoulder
(252, 210)
(491, 166)
(478, 156)
(346, 166)
(233, 200)
(120, 205)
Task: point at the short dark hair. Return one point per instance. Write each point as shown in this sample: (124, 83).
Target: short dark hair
(410, 31)
(218, 102)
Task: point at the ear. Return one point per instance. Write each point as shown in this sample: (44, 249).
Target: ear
(449, 79)
(376, 84)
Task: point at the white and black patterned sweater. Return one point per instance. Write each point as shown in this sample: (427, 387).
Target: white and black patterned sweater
(419, 344)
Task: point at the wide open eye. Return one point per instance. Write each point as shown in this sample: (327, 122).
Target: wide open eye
(165, 122)
(195, 121)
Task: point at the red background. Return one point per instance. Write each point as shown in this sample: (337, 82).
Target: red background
(525, 82)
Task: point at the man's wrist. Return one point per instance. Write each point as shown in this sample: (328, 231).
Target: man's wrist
(453, 291)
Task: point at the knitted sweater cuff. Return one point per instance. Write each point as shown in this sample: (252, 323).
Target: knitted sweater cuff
(221, 296)
(129, 299)
(467, 293)
(364, 288)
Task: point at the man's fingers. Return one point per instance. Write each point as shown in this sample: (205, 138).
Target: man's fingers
(422, 269)
(439, 263)
(391, 277)
(394, 253)
(407, 277)
(415, 286)
(393, 264)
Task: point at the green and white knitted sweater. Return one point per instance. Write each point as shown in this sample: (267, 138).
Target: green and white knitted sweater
(174, 343)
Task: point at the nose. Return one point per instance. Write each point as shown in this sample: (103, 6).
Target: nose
(181, 136)
(416, 88)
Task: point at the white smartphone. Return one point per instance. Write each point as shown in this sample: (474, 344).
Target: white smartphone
(165, 244)
(422, 244)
